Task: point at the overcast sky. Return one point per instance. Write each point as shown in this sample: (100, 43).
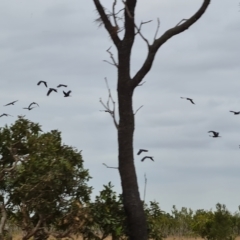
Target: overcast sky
(59, 42)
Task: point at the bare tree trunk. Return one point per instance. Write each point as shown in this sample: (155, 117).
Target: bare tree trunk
(137, 226)
(131, 197)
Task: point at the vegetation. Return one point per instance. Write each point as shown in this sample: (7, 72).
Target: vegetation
(41, 180)
(44, 192)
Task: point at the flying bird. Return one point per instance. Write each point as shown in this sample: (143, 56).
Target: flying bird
(11, 103)
(141, 150)
(215, 134)
(67, 94)
(147, 157)
(29, 108)
(62, 85)
(45, 83)
(235, 113)
(189, 99)
(5, 114)
(32, 104)
(50, 90)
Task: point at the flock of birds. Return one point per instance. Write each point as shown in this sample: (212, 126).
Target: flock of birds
(215, 134)
(144, 150)
(34, 104)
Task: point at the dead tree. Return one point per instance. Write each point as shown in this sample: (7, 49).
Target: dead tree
(137, 228)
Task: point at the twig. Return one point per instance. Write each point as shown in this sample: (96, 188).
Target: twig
(107, 105)
(158, 26)
(138, 110)
(113, 12)
(145, 187)
(109, 167)
(140, 84)
(183, 20)
(111, 56)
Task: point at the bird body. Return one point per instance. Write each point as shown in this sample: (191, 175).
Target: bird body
(45, 83)
(141, 150)
(11, 103)
(61, 85)
(147, 157)
(29, 108)
(215, 134)
(235, 113)
(50, 90)
(189, 99)
(67, 94)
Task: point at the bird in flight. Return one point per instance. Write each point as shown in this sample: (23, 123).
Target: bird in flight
(5, 114)
(67, 94)
(188, 99)
(11, 103)
(235, 113)
(50, 90)
(215, 134)
(32, 104)
(62, 85)
(45, 83)
(29, 108)
(141, 150)
(147, 157)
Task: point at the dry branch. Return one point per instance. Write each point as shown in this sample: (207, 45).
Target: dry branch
(109, 167)
(108, 107)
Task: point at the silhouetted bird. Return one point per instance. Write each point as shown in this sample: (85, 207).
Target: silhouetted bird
(67, 94)
(215, 134)
(11, 103)
(29, 108)
(45, 83)
(189, 99)
(235, 113)
(32, 104)
(141, 150)
(50, 90)
(147, 157)
(5, 114)
(62, 85)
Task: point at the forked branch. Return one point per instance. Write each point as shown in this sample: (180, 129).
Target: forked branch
(108, 25)
(152, 49)
(114, 63)
(108, 108)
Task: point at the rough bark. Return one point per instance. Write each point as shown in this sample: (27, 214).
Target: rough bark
(137, 226)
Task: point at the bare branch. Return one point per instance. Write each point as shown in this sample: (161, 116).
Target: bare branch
(139, 30)
(112, 57)
(109, 167)
(145, 187)
(183, 20)
(158, 26)
(138, 110)
(152, 49)
(109, 27)
(140, 84)
(107, 106)
(114, 14)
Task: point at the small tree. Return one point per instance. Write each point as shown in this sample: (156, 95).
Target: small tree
(45, 180)
(126, 84)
